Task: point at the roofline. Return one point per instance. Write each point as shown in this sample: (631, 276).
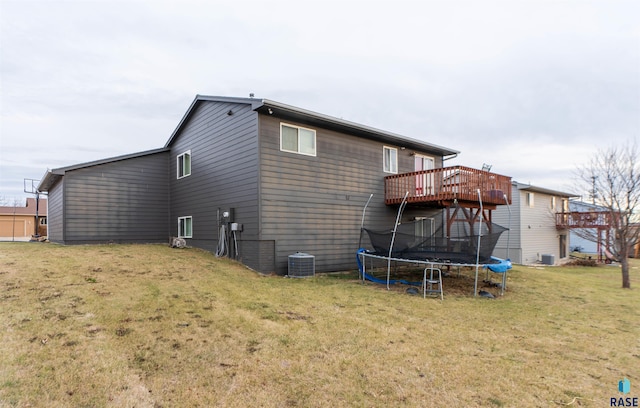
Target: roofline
(383, 134)
(529, 187)
(265, 105)
(255, 103)
(22, 210)
(52, 176)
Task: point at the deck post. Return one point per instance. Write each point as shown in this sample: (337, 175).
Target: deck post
(475, 285)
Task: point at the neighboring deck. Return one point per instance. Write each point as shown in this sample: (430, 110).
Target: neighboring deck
(440, 187)
(586, 219)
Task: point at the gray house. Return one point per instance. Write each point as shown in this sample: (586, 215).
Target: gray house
(264, 178)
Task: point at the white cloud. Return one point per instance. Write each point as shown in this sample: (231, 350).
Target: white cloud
(521, 84)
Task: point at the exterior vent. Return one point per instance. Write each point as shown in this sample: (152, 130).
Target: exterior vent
(548, 259)
(302, 265)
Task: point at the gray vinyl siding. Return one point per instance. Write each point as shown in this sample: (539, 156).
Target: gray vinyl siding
(285, 202)
(314, 204)
(224, 175)
(509, 239)
(55, 213)
(120, 201)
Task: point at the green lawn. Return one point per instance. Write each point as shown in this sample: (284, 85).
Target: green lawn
(151, 326)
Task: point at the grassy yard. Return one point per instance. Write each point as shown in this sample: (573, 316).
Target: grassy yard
(151, 326)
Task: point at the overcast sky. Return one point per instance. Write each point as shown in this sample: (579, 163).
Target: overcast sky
(532, 88)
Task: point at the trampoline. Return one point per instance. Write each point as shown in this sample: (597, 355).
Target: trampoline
(461, 241)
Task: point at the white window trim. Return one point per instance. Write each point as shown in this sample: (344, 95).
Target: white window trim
(178, 176)
(185, 218)
(315, 146)
(530, 200)
(391, 169)
(430, 158)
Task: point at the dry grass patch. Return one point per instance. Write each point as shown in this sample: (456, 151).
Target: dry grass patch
(150, 326)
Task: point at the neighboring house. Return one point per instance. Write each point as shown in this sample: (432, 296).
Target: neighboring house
(18, 223)
(580, 243)
(534, 235)
(264, 178)
(592, 229)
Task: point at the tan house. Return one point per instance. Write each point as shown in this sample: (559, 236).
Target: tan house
(18, 223)
(534, 236)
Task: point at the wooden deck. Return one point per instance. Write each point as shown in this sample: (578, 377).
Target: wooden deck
(588, 219)
(440, 187)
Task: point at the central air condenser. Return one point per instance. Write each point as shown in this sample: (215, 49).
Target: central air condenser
(301, 265)
(548, 259)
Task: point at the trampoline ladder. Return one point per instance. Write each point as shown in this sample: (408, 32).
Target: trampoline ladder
(428, 284)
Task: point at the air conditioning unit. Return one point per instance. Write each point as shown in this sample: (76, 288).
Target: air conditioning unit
(548, 259)
(301, 265)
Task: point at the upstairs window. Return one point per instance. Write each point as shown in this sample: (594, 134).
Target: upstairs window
(530, 200)
(185, 227)
(390, 159)
(297, 139)
(184, 164)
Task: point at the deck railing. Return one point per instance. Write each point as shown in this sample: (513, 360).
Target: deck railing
(586, 219)
(447, 184)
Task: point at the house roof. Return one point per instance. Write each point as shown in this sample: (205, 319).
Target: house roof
(584, 206)
(542, 190)
(28, 209)
(269, 107)
(51, 177)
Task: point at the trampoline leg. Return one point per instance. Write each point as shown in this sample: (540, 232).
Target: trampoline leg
(504, 283)
(475, 284)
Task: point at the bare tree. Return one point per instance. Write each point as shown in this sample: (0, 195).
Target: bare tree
(10, 201)
(612, 180)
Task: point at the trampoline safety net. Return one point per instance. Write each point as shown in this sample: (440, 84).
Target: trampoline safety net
(460, 245)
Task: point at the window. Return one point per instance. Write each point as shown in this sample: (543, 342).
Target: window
(423, 229)
(390, 159)
(296, 139)
(553, 203)
(530, 199)
(184, 164)
(185, 227)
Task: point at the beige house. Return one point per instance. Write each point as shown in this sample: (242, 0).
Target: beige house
(18, 223)
(534, 236)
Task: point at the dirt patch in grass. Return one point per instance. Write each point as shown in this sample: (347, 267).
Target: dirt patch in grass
(186, 329)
